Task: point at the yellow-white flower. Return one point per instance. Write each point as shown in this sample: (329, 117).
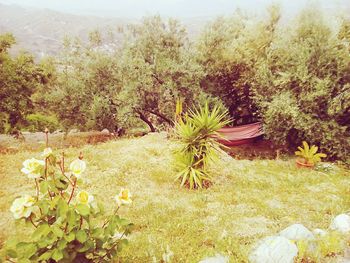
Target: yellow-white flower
(84, 198)
(77, 167)
(124, 197)
(33, 167)
(22, 206)
(47, 152)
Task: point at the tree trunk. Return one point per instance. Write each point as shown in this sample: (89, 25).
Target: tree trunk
(147, 121)
(160, 115)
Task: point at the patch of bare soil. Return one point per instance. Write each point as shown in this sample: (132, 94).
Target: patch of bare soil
(259, 149)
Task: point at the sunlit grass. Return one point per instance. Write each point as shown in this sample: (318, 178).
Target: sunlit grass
(248, 200)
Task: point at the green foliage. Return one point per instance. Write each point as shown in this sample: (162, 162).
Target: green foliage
(294, 77)
(309, 154)
(302, 86)
(158, 67)
(67, 226)
(20, 77)
(85, 80)
(197, 132)
(228, 50)
(38, 122)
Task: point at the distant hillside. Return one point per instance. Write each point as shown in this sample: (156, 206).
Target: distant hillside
(41, 31)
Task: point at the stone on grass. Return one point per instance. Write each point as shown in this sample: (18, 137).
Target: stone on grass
(319, 232)
(105, 131)
(217, 259)
(274, 249)
(341, 223)
(297, 232)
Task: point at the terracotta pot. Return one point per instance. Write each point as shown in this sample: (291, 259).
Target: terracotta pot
(301, 163)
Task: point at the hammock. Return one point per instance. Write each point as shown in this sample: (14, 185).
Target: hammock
(232, 136)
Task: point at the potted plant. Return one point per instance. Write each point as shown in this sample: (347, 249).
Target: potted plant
(308, 155)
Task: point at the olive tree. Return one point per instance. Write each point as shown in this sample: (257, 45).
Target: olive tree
(157, 68)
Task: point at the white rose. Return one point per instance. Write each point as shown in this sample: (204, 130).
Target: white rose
(84, 198)
(33, 168)
(124, 197)
(22, 206)
(77, 167)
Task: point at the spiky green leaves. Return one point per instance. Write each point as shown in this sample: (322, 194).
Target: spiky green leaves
(310, 153)
(197, 132)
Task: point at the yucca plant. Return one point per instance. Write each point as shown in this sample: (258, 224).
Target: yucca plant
(309, 154)
(197, 131)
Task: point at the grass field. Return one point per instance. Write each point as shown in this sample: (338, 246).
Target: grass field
(248, 200)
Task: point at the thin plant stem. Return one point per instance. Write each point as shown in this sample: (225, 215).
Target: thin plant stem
(47, 137)
(31, 220)
(71, 194)
(81, 222)
(37, 189)
(116, 243)
(106, 222)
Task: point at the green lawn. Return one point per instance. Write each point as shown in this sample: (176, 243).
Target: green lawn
(248, 200)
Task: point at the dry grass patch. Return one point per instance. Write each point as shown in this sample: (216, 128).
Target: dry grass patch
(248, 200)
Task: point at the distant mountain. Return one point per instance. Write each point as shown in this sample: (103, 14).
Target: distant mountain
(41, 31)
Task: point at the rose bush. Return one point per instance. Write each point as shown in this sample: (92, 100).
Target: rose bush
(70, 226)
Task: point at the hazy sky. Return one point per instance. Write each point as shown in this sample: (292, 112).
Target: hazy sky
(174, 8)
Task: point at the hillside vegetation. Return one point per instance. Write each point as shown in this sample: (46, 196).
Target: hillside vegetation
(294, 78)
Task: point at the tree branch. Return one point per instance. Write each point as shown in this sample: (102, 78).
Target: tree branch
(147, 121)
(160, 115)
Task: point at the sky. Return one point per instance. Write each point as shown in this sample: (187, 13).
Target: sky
(173, 8)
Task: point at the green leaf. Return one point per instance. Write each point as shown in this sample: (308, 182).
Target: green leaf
(57, 255)
(26, 250)
(81, 236)
(57, 231)
(89, 245)
(61, 183)
(62, 209)
(83, 210)
(42, 230)
(23, 260)
(11, 253)
(70, 237)
(46, 255)
(71, 217)
(62, 244)
(44, 186)
(97, 232)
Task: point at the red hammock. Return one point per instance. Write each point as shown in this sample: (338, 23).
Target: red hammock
(232, 136)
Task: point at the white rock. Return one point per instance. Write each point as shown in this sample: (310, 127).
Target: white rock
(105, 131)
(341, 223)
(319, 232)
(217, 259)
(297, 232)
(274, 249)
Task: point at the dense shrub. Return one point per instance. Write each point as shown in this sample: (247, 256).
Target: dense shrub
(302, 86)
(38, 122)
(228, 50)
